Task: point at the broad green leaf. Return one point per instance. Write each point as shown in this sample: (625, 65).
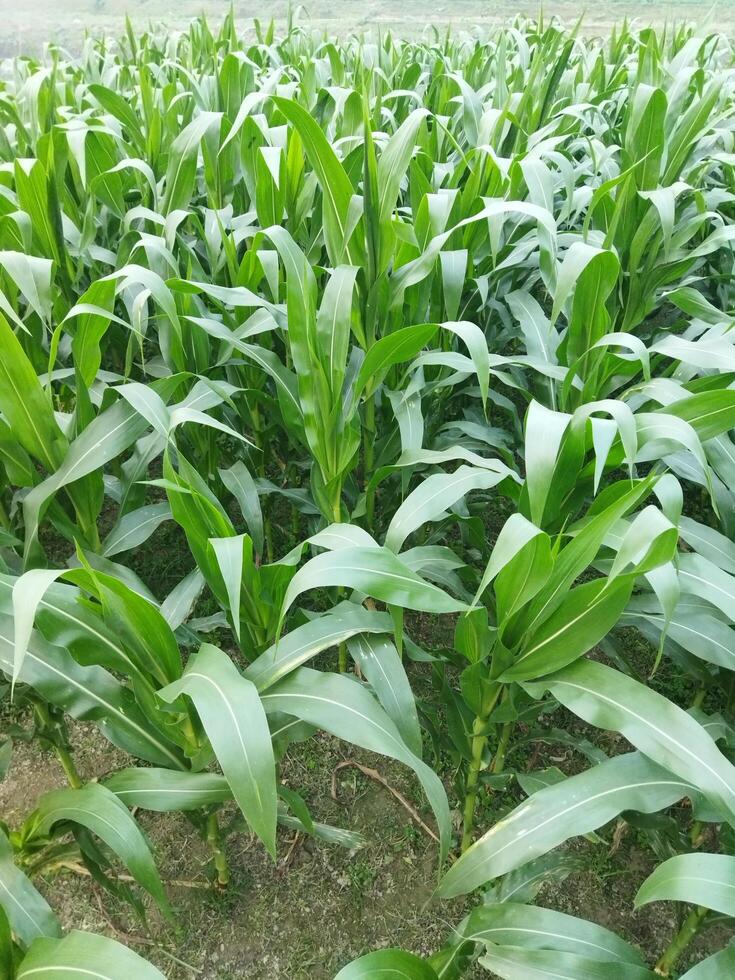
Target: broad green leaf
(585, 617)
(698, 632)
(28, 591)
(544, 433)
(26, 909)
(531, 927)
(575, 558)
(301, 644)
(89, 694)
(689, 127)
(25, 406)
(709, 543)
(512, 963)
(146, 636)
(645, 135)
(93, 315)
(114, 103)
(241, 485)
(7, 947)
(515, 534)
(105, 438)
(178, 604)
(476, 344)
(701, 577)
(235, 723)
(183, 154)
(134, 528)
(33, 277)
(394, 159)
(81, 955)
(608, 699)
(710, 413)
(167, 791)
(335, 185)
(388, 964)
(401, 345)
(334, 324)
(576, 806)
(432, 498)
(228, 553)
(96, 808)
(380, 665)
(376, 572)
(521, 579)
(699, 879)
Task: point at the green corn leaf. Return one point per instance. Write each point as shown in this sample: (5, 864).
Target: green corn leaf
(33, 277)
(700, 879)
(241, 485)
(81, 954)
(394, 159)
(431, 499)
(305, 642)
(334, 324)
(576, 806)
(26, 909)
(96, 808)
(103, 439)
(335, 185)
(24, 404)
(402, 345)
(608, 699)
(167, 791)
(710, 413)
(698, 632)
(584, 617)
(93, 315)
(121, 109)
(388, 964)
(87, 693)
(700, 577)
(183, 155)
(531, 964)
(134, 528)
(531, 927)
(688, 129)
(228, 553)
(148, 639)
(376, 572)
(379, 663)
(235, 723)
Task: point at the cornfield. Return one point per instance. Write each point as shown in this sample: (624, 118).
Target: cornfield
(393, 333)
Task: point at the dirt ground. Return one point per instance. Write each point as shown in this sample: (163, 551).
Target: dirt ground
(28, 24)
(320, 906)
(301, 919)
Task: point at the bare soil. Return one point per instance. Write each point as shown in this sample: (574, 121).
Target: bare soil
(320, 906)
